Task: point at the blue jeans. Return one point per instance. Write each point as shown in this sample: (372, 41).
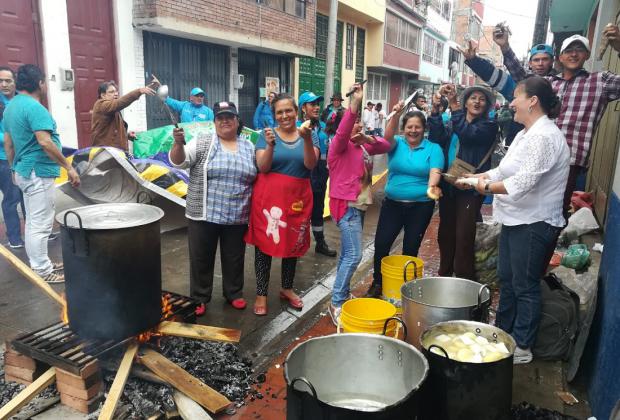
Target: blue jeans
(522, 257)
(11, 197)
(350, 253)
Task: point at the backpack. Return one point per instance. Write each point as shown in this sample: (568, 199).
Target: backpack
(559, 320)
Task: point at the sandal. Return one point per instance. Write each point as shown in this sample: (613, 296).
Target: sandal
(293, 302)
(260, 310)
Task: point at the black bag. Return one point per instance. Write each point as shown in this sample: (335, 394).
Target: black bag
(559, 320)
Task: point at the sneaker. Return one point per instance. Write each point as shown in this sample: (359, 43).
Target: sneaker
(522, 356)
(58, 266)
(53, 236)
(334, 313)
(54, 277)
(16, 245)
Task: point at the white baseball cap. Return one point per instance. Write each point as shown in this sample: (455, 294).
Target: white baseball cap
(575, 38)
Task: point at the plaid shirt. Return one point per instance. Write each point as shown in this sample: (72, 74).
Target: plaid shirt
(584, 99)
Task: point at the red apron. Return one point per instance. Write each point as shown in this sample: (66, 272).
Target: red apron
(280, 215)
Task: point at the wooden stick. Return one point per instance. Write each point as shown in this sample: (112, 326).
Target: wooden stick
(31, 275)
(188, 408)
(28, 394)
(107, 411)
(200, 332)
(183, 381)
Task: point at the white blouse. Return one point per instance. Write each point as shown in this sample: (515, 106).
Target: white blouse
(535, 172)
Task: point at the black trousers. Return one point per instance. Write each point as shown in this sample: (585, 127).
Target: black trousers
(395, 215)
(203, 239)
(458, 212)
(262, 265)
(318, 180)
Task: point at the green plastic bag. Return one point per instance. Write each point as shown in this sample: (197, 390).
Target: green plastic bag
(577, 257)
(149, 143)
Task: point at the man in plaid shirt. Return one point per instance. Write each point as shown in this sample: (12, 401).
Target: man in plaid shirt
(583, 95)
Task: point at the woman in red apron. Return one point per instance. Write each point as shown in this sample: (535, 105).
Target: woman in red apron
(282, 200)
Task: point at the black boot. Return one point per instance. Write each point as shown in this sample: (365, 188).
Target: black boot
(374, 291)
(321, 246)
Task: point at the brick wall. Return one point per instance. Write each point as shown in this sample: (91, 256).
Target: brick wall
(244, 17)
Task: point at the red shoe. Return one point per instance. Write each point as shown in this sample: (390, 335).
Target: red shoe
(200, 309)
(293, 302)
(239, 303)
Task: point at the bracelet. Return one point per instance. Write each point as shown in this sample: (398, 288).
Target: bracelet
(487, 187)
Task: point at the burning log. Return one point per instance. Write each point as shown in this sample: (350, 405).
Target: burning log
(31, 275)
(107, 412)
(200, 332)
(180, 379)
(28, 393)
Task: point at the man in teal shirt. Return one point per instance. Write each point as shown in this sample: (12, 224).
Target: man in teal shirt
(11, 195)
(194, 109)
(33, 150)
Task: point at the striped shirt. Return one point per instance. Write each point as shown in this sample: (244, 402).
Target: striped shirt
(583, 98)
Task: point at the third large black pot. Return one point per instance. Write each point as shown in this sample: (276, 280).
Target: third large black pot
(457, 390)
(354, 377)
(112, 260)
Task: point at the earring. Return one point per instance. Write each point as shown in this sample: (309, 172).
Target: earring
(529, 109)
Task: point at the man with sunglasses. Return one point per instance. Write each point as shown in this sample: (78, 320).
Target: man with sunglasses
(194, 109)
(583, 95)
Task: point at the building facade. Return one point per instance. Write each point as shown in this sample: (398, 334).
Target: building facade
(466, 25)
(435, 64)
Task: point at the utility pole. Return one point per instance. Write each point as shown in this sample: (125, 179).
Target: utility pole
(332, 29)
(542, 21)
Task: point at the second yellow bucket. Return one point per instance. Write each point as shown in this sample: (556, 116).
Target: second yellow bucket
(395, 271)
(367, 315)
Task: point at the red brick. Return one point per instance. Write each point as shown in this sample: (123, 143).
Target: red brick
(83, 394)
(83, 406)
(18, 360)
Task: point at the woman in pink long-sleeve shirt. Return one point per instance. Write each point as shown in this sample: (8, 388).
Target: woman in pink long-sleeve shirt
(350, 176)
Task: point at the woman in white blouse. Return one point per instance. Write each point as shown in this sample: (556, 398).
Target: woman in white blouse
(529, 185)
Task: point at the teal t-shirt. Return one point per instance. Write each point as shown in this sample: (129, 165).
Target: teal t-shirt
(4, 101)
(408, 169)
(288, 158)
(22, 117)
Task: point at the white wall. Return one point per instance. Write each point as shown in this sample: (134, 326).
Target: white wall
(431, 72)
(130, 60)
(57, 54)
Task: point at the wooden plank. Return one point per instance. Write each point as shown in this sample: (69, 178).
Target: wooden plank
(183, 381)
(28, 394)
(107, 411)
(31, 275)
(200, 332)
(188, 408)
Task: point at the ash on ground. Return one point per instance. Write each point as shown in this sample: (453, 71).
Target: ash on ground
(219, 365)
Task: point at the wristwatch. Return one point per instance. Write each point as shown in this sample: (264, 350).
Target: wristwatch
(487, 187)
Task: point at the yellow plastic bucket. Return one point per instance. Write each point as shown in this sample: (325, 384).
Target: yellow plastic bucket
(397, 270)
(368, 315)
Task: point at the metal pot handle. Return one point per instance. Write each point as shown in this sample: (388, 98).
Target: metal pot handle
(478, 313)
(440, 348)
(415, 269)
(400, 321)
(142, 194)
(484, 286)
(81, 229)
(305, 381)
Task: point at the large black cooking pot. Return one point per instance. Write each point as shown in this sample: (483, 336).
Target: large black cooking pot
(354, 377)
(112, 259)
(456, 390)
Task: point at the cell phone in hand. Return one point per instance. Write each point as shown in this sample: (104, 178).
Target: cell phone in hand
(314, 123)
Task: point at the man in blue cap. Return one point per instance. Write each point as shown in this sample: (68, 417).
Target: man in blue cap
(194, 109)
(310, 105)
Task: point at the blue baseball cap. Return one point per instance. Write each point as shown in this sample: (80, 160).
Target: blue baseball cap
(308, 97)
(197, 91)
(541, 48)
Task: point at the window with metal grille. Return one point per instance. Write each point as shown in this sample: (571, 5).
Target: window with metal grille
(360, 45)
(433, 50)
(446, 10)
(292, 7)
(349, 46)
(401, 34)
(377, 90)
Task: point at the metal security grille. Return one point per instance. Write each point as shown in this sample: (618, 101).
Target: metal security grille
(360, 45)
(183, 64)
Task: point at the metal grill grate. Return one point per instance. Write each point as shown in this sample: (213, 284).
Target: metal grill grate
(60, 347)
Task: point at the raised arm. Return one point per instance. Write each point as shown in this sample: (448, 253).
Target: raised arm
(114, 105)
(343, 134)
(391, 127)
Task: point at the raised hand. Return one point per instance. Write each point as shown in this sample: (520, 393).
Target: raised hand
(470, 51)
(501, 34)
(612, 34)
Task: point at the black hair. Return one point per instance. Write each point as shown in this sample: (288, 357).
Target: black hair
(282, 97)
(541, 88)
(420, 97)
(413, 114)
(379, 106)
(5, 68)
(28, 78)
(103, 87)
